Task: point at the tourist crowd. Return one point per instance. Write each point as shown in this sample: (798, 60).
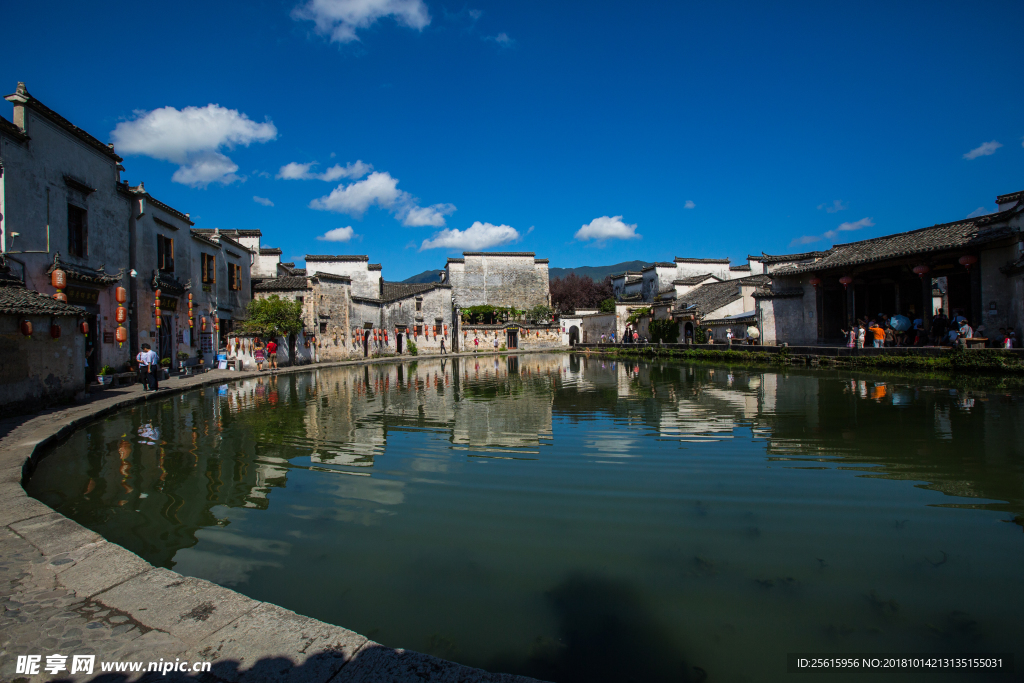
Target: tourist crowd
(942, 330)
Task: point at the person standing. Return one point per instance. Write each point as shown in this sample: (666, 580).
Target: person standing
(442, 347)
(272, 354)
(148, 366)
(257, 354)
(861, 333)
(495, 341)
(877, 334)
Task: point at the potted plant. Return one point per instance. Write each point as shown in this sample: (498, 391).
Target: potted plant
(165, 368)
(106, 375)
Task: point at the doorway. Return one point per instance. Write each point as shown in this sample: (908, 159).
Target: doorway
(574, 335)
(398, 342)
(511, 339)
(688, 332)
(92, 356)
(165, 342)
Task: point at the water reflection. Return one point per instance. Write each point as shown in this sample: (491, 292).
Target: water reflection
(569, 517)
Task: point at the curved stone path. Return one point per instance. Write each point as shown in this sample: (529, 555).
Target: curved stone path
(65, 590)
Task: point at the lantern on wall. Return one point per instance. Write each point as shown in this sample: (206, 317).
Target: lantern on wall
(59, 279)
(120, 295)
(191, 320)
(54, 329)
(216, 324)
(61, 296)
(968, 261)
(157, 308)
(121, 314)
(84, 327)
(922, 270)
(846, 280)
(120, 335)
(446, 330)
(815, 281)
(202, 323)
(26, 328)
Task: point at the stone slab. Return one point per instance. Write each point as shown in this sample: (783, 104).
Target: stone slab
(17, 506)
(54, 533)
(98, 569)
(276, 645)
(189, 609)
(378, 664)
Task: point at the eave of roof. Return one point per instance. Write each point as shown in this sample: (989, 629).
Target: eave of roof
(16, 300)
(289, 283)
(12, 130)
(499, 253)
(323, 258)
(23, 97)
(681, 259)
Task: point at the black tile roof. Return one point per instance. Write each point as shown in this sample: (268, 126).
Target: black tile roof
(744, 267)
(693, 279)
(22, 96)
(374, 266)
(456, 260)
(965, 234)
(167, 284)
(16, 300)
(659, 264)
(541, 260)
(269, 251)
(12, 130)
(499, 253)
(1012, 197)
(400, 290)
(681, 259)
(325, 258)
(289, 283)
(714, 295)
(234, 233)
(782, 258)
(90, 276)
(329, 276)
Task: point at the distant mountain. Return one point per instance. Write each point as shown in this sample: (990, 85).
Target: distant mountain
(597, 273)
(425, 276)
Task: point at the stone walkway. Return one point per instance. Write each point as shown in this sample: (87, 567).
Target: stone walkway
(65, 590)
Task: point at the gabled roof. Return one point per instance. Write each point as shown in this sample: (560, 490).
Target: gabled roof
(203, 238)
(963, 234)
(401, 290)
(289, 283)
(322, 258)
(708, 298)
(22, 96)
(694, 279)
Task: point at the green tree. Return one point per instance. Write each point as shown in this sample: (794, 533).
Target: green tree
(273, 317)
(607, 306)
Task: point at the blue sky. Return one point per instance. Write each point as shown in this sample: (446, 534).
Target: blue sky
(590, 133)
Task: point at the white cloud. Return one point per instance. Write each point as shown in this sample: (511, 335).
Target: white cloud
(262, 200)
(836, 206)
(501, 39)
(607, 227)
(983, 150)
(689, 204)
(381, 189)
(296, 171)
(340, 19)
(474, 238)
(428, 216)
(337, 235)
(832, 234)
(980, 211)
(378, 188)
(192, 138)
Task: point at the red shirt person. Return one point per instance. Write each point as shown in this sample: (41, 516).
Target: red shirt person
(272, 353)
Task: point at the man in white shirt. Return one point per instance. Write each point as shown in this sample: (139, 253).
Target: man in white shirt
(148, 366)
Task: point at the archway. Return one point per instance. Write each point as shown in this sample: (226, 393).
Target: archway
(688, 332)
(574, 335)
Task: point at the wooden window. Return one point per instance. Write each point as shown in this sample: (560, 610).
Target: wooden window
(78, 231)
(209, 269)
(234, 276)
(323, 328)
(419, 330)
(165, 253)
(419, 304)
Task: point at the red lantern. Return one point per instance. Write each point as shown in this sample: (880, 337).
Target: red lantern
(846, 280)
(385, 336)
(26, 328)
(121, 314)
(84, 326)
(968, 261)
(59, 279)
(202, 323)
(121, 335)
(120, 295)
(158, 292)
(921, 270)
(55, 330)
(815, 281)
(216, 324)
(61, 296)
(446, 330)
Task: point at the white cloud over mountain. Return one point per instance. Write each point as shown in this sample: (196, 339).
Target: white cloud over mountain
(608, 228)
(193, 138)
(476, 237)
(340, 19)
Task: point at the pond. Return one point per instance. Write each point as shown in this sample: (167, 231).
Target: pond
(583, 519)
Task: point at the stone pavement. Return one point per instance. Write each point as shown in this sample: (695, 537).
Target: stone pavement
(65, 590)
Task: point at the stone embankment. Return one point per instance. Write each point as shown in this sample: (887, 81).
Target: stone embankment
(65, 590)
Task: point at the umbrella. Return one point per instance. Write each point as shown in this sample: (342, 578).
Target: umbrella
(900, 323)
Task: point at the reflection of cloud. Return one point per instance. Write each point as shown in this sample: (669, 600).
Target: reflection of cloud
(610, 443)
(380, 491)
(225, 570)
